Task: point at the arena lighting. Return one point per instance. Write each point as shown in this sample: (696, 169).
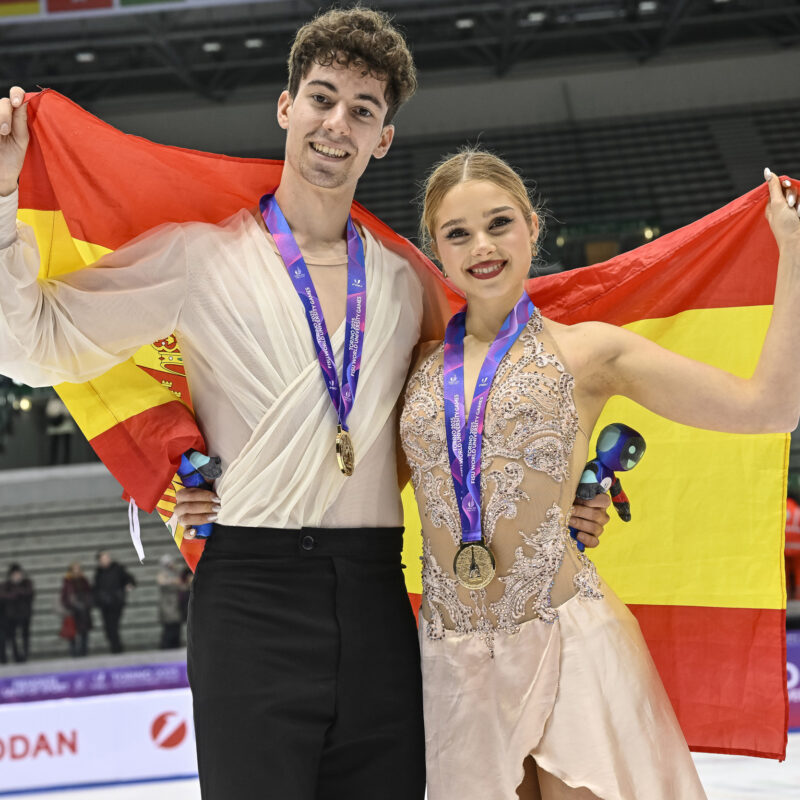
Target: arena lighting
(465, 23)
(598, 15)
(85, 57)
(252, 44)
(536, 17)
(25, 404)
(648, 6)
(212, 47)
(560, 241)
(649, 233)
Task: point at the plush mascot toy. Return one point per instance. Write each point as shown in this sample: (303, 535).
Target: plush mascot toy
(197, 471)
(619, 448)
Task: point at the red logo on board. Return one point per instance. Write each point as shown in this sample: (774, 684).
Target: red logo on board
(168, 730)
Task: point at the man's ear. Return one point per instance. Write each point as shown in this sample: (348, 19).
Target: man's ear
(385, 142)
(285, 102)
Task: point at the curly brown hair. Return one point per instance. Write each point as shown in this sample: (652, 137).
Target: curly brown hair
(357, 37)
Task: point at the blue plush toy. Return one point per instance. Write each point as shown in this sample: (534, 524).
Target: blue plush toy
(197, 471)
(619, 448)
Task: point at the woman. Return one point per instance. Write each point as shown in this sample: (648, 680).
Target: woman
(76, 604)
(536, 678)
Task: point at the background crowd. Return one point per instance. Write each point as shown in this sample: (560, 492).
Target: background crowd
(81, 601)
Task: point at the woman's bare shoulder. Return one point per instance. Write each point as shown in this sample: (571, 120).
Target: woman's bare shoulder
(582, 343)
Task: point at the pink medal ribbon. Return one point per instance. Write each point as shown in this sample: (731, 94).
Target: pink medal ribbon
(464, 440)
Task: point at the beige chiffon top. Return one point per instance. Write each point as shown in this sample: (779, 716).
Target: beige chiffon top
(258, 394)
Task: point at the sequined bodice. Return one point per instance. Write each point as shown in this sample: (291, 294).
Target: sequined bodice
(527, 488)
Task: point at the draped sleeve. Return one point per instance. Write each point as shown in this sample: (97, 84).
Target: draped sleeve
(79, 325)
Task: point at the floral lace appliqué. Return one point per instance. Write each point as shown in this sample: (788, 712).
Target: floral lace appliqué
(531, 577)
(530, 428)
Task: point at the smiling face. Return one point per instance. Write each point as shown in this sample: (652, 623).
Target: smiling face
(334, 125)
(484, 239)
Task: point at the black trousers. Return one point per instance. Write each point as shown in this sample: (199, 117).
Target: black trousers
(304, 666)
(20, 644)
(111, 620)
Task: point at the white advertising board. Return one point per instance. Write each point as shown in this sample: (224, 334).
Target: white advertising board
(92, 741)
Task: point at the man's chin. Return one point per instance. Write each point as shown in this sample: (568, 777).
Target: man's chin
(324, 179)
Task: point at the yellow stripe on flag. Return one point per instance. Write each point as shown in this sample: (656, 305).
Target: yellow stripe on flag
(123, 391)
(124, 388)
(718, 506)
(412, 541)
(60, 252)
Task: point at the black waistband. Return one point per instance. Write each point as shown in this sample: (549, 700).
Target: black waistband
(350, 542)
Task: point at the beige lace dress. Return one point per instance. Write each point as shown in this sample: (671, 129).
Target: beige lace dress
(545, 660)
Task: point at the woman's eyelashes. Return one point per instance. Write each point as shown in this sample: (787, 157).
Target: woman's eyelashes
(494, 225)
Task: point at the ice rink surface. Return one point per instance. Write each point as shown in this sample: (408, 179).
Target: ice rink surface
(724, 778)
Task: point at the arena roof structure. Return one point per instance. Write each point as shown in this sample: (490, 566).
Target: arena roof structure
(93, 49)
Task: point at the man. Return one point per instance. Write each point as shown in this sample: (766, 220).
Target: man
(302, 648)
(18, 594)
(112, 582)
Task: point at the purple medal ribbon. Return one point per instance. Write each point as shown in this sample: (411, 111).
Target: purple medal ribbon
(342, 395)
(466, 439)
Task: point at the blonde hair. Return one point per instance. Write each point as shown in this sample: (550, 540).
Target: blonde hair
(468, 164)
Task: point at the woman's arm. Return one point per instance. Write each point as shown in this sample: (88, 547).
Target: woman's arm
(697, 394)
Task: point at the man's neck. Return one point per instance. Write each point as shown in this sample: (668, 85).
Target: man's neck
(317, 217)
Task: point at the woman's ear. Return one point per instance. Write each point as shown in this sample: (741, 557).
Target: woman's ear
(534, 228)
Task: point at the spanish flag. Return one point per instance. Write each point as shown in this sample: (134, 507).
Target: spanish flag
(701, 565)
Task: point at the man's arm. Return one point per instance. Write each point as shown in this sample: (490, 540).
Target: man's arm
(589, 518)
(82, 324)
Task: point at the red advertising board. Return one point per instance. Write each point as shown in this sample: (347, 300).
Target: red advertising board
(77, 5)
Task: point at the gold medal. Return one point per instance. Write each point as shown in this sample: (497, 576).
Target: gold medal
(474, 565)
(345, 455)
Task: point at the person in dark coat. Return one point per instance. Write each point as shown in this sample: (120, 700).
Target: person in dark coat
(18, 595)
(3, 625)
(76, 603)
(170, 586)
(112, 582)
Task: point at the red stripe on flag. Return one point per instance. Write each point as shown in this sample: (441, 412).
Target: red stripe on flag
(725, 672)
(191, 550)
(167, 431)
(416, 602)
(708, 264)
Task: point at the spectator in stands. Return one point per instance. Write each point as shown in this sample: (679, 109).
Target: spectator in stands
(76, 603)
(17, 591)
(60, 428)
(186, 590)
(171, 585)
(3, 624)
(792, 548)
(112, 582)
